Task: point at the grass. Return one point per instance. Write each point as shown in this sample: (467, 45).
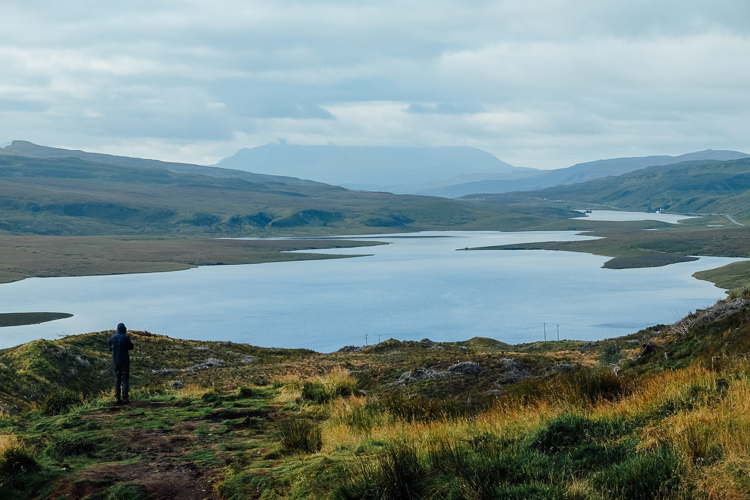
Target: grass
(20, 319)
(671, 426)
(52, 256)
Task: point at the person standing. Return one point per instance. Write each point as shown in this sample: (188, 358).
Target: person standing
(121, 345)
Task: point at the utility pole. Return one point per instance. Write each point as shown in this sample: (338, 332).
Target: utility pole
(365, 340)
(558, 332)
(378, 338)
(545, 331)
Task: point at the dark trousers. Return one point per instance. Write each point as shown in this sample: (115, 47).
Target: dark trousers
(122, 379)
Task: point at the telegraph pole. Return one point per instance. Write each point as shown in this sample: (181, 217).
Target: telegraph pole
(558, 332)
(545, 331)
(365, 340)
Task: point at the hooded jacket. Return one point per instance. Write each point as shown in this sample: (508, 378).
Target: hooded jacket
(120, 345)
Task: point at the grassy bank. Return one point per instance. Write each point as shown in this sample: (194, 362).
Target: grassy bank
(54, 256)
(19, 319)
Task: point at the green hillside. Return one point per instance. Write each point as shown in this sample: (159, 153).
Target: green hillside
(661, 414)
(695, 187)
(69, 196)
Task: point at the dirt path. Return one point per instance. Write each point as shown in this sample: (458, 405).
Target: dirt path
(162, 469)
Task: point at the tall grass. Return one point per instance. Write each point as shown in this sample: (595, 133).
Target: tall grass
(669, 435)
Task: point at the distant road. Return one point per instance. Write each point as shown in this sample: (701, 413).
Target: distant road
(732, 220)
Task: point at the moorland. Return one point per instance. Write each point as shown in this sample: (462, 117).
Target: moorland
(662, 413)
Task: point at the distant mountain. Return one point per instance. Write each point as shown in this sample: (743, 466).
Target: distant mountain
(581, 172)
(375, 168)
(24, 148)
(699, 186)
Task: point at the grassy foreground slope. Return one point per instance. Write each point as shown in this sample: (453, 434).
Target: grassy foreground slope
(664, 413)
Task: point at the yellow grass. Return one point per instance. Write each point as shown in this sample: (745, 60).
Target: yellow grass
(8, 442)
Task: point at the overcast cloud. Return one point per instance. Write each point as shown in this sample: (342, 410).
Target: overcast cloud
(542, 83)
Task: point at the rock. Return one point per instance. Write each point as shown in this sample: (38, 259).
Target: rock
(513, 371)
(176, 384)
(418, 374)
(350, 348)
(466, 367)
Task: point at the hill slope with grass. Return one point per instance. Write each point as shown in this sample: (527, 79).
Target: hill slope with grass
(581, 172)
(719, 187)
(75, 197)
(660, 414)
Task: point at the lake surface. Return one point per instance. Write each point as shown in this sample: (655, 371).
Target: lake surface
(419, 286)
(617, 216)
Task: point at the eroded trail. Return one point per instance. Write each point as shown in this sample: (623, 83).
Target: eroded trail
(165, 450)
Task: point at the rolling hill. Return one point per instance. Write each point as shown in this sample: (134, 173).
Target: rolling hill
(74, 196)
(581, 172)
(718, 187)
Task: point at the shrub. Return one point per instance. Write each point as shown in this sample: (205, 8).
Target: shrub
(315, 392)
(300, 435)
(14, 463)
(593, 384)
(610, 354)
(244, 392)
(426, 409)
(361, 418)
(643, 476)
(211, 396)
(573, 431)
(69, 444)
(61, 402)
(396, 474)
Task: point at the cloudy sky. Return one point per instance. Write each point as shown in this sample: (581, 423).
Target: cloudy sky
(542, 83)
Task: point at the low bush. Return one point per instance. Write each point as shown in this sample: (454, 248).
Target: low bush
(67, 444)
(300, 435)
(315, 392)
(15, 463)
(425, 409)
(574, 430)
(643, 476)
(244, 392)
(594, 384)
(398, 473)
(211, 396)
(61, 402)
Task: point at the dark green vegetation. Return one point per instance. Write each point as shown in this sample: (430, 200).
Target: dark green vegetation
(705, 187)
(463, 420)
(74, 197)
(16, 319)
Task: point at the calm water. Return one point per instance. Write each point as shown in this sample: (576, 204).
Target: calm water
(612, 215)
(418, 286)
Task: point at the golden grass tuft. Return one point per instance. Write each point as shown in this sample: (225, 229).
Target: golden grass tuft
(8, 442)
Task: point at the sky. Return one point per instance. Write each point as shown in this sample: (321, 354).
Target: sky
(542, 83)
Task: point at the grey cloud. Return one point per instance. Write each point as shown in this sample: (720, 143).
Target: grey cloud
(551, 79)
(445, 108)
